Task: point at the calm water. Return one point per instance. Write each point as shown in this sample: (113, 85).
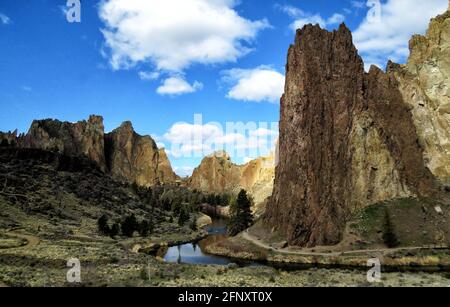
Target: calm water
(193, 253)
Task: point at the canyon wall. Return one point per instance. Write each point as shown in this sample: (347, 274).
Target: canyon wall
(124, 154)
(425, 86)
(72, 139)
(218, 174)
(349, 139)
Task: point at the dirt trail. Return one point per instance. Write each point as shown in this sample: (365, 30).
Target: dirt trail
(32, 241)
(263, 245)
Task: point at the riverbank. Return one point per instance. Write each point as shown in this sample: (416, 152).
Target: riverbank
(252, 246)
(105, 264)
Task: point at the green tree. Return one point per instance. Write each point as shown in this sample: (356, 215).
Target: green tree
(103, 226)
(184, 216)
(193, 225)
(145, 228)
(115, 229)
(129, 226)
(241, 216)
(176, 207)
(389, 237)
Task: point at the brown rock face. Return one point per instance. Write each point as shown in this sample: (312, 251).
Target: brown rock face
(165, 171)
(217, 174)
(135, 158)
(123, 153)
(257, 178)
(347, 139)
(81, 138)
(8, 138)
(425, 86)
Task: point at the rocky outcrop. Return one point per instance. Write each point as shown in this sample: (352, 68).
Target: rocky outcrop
(123, 153)
(71, 139)
(257, 178)
(135, 158)
(425, 86)
(218, 174)
(165, 171)
(348, 139)
(8, 138)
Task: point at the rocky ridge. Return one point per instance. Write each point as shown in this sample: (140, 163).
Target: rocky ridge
(123, 153)
(218, 174)
(349, 139)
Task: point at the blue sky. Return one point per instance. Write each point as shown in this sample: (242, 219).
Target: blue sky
(147, 62)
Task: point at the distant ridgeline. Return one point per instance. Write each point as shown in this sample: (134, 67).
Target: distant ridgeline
(123, 153)
(218, 174)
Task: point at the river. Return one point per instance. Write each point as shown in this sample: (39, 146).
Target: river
(192, 253)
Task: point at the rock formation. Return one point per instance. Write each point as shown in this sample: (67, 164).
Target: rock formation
(8, 138)
(257, 178)
(136, 158)
(123, 153)
(425, 86)
(217, 174)
(131, 156)
(81, 138)
(349, 139)
(165, 171)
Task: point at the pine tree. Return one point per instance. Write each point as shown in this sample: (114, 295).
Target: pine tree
(115, 229)
(129, 226)
(241, 216)
(184, 216)
(103, 226)
(145, 228)
(389, 237)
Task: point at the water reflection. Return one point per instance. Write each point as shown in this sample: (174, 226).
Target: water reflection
(192, 253)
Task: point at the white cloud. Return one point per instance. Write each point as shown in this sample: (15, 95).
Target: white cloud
(263, 132)
(358, 4)
(387, 37)
(303, 18)
(259, 84)
(173, 34)
(198, 140)
(161, 145)
(149, 75)
(4, 19)
(177, 86)
(184, 171)
(336, 19)
(248, 159)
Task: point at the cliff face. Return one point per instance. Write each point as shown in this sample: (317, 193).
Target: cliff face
(217, 174)
(131, 156)
(257, 178)
(8, 138)
(81, 138)
(347, 139)
(165, 171)
(425, 86)
(122, 153)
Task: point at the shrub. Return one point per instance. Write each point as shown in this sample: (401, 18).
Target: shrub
(145, 228)
(129, 226)
(389, 237)
(115, 229)
(184, 216)
(103, 226)
(193, 225)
